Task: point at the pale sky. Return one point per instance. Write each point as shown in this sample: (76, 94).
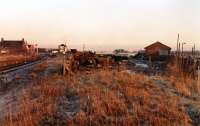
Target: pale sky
(101, 24)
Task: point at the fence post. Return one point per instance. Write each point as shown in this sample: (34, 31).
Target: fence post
(198, 79)
(198, 74)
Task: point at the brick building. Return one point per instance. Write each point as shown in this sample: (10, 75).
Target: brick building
(157, 49)
(13, 46)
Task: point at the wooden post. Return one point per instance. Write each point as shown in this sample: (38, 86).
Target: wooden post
(179, 63)
(198, 78)
(194, 51)
(177, 52)
(64, 58)
(177, 48)
(150, 62)
(64, 72)
(198, 74)
(182, 49)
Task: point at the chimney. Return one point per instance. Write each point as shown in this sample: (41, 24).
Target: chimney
(2, 39)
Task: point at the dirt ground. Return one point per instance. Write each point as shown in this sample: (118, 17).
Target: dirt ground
(10, 92)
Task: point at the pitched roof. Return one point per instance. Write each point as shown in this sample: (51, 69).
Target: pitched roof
(12, 43)
(158, 43)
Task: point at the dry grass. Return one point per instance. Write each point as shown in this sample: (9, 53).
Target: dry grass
(108, 98)
(6, 60)
(183, 83)
(36, 103)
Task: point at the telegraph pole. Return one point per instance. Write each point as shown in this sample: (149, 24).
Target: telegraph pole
(177, 47)
(178, 53)
(183, 43)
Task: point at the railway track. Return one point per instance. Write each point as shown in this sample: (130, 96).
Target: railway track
(21, 66)
(10, 73)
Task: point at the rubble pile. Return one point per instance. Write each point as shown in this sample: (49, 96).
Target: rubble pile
(75, 61)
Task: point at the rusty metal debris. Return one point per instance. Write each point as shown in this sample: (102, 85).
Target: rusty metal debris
(75, 60)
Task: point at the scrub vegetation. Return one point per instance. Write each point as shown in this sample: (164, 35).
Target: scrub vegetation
(109, 98)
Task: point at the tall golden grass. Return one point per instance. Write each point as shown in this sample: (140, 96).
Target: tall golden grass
(186, 85)
(107, 98)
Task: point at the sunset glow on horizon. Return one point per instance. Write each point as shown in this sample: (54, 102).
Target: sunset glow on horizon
(103, 24)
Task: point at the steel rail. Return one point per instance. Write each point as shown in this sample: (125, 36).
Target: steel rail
(23, 66)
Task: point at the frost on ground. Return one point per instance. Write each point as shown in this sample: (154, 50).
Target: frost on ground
(107, 97)
(26, 78)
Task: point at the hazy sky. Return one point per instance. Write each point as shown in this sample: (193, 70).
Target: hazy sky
(101, 24)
